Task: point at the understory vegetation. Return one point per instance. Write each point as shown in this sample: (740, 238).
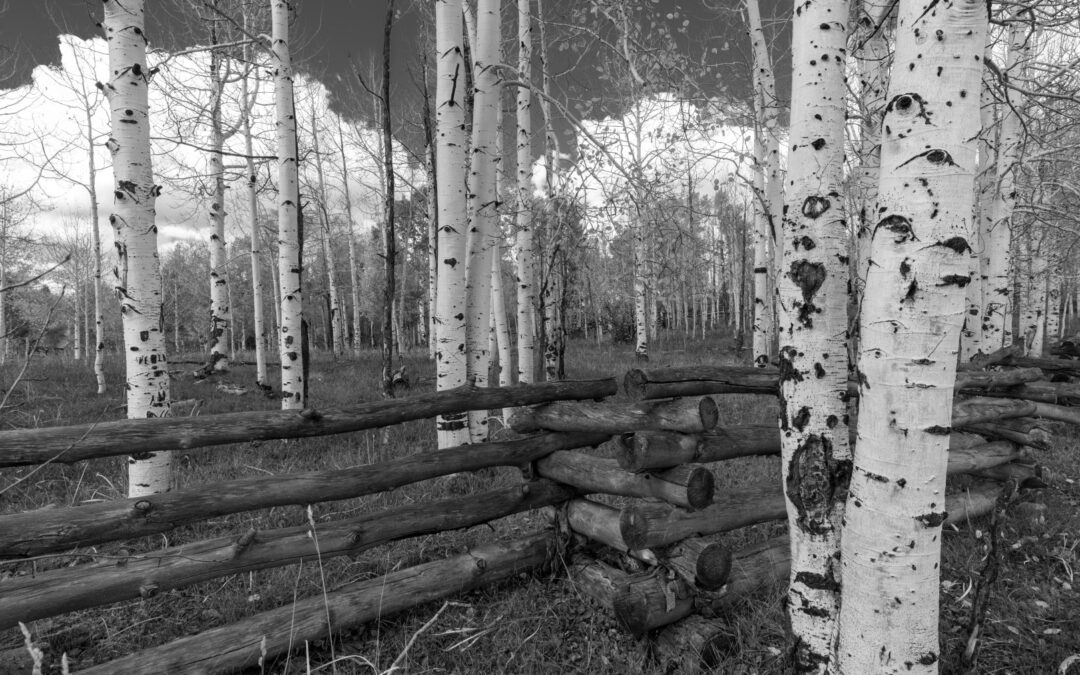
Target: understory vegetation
(534, 624)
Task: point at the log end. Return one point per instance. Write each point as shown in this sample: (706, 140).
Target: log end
(713, 567)
(700, 488)
(710, 413)
(632, 452)
(634, 384)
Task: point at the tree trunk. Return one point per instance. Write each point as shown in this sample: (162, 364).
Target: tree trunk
(483, 234)
(450, 308)
(251, 185)
(389, 234)
(290, 263)
(812, 303)
(524, 253)
(138, 285)
(219, 278)
(95, 233)
(910, 329)
(997, 331)
(432, 221)
(338, 319)
(767, 188)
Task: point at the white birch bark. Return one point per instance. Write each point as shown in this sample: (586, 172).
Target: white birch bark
(138, 286)
(290, 267)
(872, 58)
(910, 329)
(812, 305)
(766, 186)
(450, 309)
(95, 234)
(251, 191)
(432, 220)
(483, 228)
(641, 298)
(524, 251)
(997, 330)
(337, 315)
(1038, 285)
(354, 264)
(219, 279)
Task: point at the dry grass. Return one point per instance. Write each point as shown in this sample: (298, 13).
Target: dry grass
(530, 625)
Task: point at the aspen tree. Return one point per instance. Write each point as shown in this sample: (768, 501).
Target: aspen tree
(812, 295)
(337, 315)
(219, 278)
(138, 283)
(450, 308)
(250, 185)
(996, 300)
(432, 218)
(290, 266)
(482, 232)
(354, 265)
(767, 188)
(524, 253)
(872, 64)
(910, 327)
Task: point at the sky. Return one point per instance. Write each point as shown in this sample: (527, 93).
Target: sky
(332, 38)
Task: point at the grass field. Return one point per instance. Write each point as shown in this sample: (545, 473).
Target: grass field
(530, 625)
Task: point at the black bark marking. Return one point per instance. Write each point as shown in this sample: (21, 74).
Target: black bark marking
(818, 143)
(938, 430)
(934, 519)
(819, 371)
(801, 419)
(908, 104)
(960, 280)
(905, 267)
(816, 483)
(806, 242)
(831, 421)
(935, 156)
(957, 244)
(913, 288)
(809, 277)
(898, 225)
(814, 206)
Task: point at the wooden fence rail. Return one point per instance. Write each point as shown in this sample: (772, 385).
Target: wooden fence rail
(59, 529)
(124, 437)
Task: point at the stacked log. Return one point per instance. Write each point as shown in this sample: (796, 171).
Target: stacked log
(248, 642)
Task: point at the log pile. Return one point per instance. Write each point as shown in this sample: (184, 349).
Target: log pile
(659, 561)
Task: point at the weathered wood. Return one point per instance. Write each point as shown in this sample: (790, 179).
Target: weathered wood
(1058, 393)
(1038, 409)
(700, 381)
(693, 646)
(648, 600)
(127, 437)
(706, 380)
(981, 410)
(1022, 430)
(598, 522)
(754, 567)
(69, 589)
(648, 525)
(640, 602)
(59, 529)
(661, 449)
(688, 486)
(242, 644)
(983, 456)
(681, 414)
(702, 563)
(1025, 476)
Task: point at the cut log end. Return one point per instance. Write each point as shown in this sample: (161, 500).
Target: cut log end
(710, 413)
(700, 484)
(634, 384)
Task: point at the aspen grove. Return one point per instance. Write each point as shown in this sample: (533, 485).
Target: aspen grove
(831, 242)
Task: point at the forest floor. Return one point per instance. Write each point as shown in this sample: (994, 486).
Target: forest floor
(529, 625)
